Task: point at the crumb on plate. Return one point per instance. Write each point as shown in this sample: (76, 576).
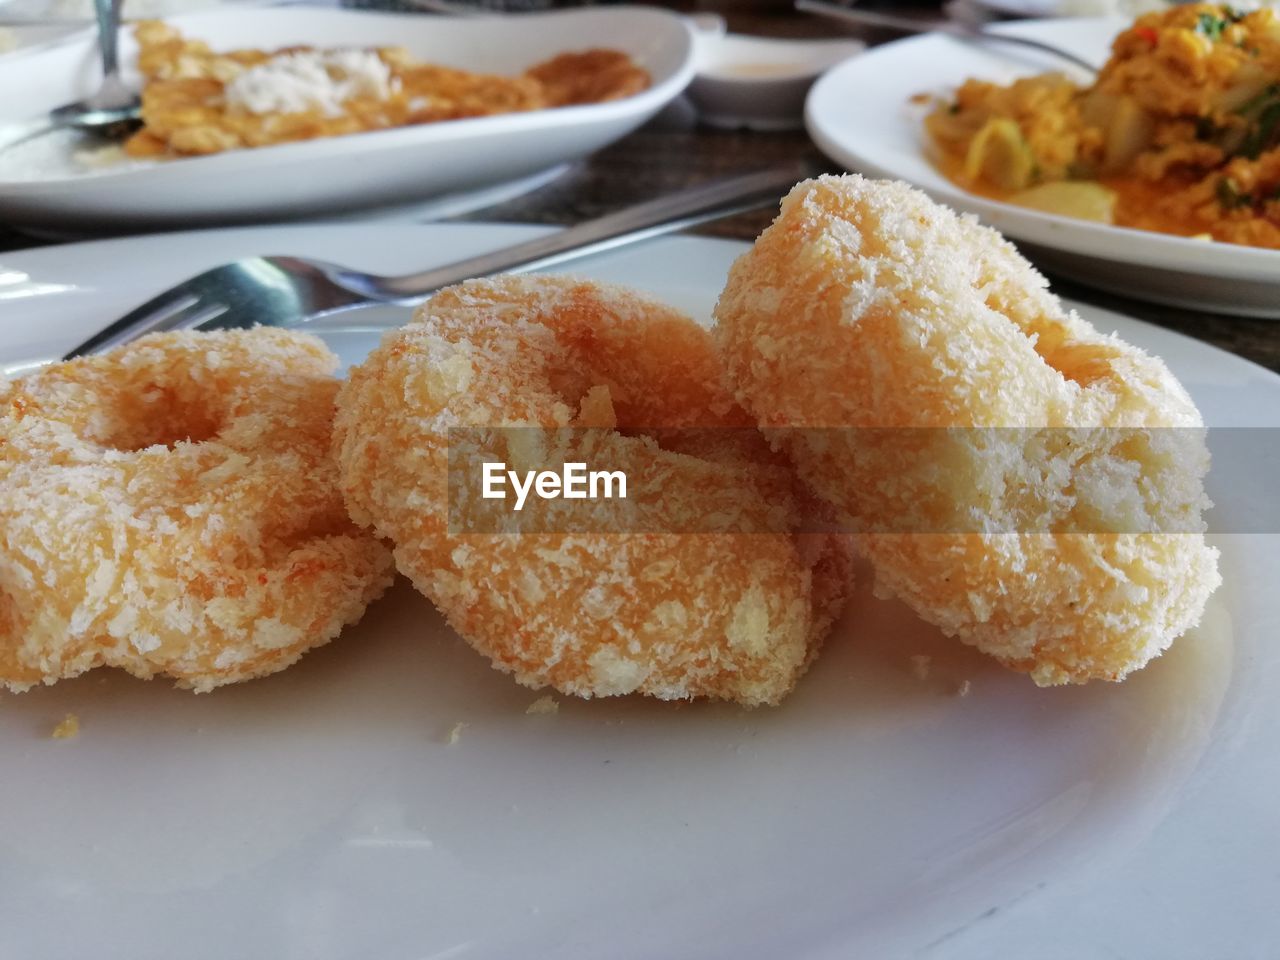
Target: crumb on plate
(67, 729)
(920, 663)
(543, 705)
(455, 733)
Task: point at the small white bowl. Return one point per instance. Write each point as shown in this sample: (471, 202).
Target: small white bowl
(760, 83)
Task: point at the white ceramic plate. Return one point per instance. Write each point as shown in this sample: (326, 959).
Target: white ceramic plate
(1060, 8)
(860, 114)
(81, 11)
(320, 813)
(1023, 8)
(25, 39)
(441, 207)
(342, 173)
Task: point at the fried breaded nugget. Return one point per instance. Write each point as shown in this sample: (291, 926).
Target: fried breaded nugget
(641, 605)
(866, 312)
(171, 507)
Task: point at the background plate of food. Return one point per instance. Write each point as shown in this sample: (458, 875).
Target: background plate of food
(1177, 137)
(381, 109)
(392, 797)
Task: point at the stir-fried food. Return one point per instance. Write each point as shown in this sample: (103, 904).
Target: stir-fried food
(198, 101)
(1180, 133)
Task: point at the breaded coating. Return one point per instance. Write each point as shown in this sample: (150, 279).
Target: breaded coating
(171, 507)
(633, 607)
(865, 305)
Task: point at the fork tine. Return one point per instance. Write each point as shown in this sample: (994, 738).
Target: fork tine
(179, 308)
(200, 314)
(268, 291)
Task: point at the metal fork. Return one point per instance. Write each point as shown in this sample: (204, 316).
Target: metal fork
(963, 29)
(287, 291)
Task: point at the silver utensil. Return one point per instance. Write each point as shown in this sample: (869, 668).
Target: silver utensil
(453, 9)
(287, 291)
(956, 28)
(113, 109)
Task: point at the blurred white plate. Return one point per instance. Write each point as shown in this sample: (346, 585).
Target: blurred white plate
(82, 11)
(337, 173)
(1073, 8)
(319, 813)
(24, 38)
(860, 114)
(1022, 8)
(440, 207)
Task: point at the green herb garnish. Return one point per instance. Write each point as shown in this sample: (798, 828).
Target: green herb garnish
(1229, 195)
(1211, 26)
(1258, 100)
(1263, 133)
(1262, 113)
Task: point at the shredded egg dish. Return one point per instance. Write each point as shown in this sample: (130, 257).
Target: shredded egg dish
(1179, 134)
(198, 101)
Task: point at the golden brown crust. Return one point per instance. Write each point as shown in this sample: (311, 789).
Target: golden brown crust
(866, 305)
(672, 615)
(171, 507)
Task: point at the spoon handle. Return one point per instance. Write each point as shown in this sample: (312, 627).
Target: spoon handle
(108, 14)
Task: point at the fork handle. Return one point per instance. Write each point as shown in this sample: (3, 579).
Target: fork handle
(954, 28)
(673, 212)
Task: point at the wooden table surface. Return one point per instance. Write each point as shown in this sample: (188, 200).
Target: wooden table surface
(674, 151)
